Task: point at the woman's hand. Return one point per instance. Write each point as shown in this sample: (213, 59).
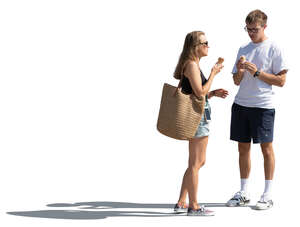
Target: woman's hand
(222, 93)
(216, 69)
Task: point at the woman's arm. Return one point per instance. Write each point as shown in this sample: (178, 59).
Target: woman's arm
(192, 72)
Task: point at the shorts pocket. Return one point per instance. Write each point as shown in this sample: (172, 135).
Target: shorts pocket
(268, 119)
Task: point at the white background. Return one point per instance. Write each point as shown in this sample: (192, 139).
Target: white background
(80, 88)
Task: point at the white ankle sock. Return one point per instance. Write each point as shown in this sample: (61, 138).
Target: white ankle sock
(268, 187)
(244, 184)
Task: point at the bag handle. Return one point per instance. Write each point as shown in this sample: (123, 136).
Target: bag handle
(180, 82)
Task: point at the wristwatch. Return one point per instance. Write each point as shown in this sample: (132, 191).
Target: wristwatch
(256, 74)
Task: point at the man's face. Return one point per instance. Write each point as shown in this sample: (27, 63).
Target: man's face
(255, 31)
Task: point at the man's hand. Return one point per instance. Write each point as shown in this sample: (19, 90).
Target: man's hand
(240, 65)
(250, 67)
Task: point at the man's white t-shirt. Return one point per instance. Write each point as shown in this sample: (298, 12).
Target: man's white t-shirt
(268, 58)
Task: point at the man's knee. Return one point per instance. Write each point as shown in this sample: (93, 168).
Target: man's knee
(244, 148)
(267, 149)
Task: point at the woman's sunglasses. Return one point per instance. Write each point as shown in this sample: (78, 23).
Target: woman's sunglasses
(205, 43)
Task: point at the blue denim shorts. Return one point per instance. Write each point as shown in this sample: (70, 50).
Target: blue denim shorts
(203, 128)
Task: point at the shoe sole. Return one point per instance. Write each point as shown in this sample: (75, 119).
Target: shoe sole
(238, 205)
(200, 215)
(261, 208)
(264, 208)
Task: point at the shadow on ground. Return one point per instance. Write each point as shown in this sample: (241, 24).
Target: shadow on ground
(101, 210)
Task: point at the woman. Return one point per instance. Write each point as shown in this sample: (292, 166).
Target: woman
(193, 81)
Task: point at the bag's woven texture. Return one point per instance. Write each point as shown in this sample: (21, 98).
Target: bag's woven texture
(179, 114)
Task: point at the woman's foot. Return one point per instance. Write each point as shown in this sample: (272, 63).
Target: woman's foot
(202, 211)
(180, 207)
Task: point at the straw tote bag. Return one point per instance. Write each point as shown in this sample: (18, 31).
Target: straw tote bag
(179, 114)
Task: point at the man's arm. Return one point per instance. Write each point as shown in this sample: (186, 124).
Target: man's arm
(237, 77)
(277, 80)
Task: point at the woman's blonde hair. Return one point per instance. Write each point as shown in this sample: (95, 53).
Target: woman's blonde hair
(192, 39)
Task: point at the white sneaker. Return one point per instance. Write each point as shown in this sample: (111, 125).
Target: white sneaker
(264, 203)
(239, 199)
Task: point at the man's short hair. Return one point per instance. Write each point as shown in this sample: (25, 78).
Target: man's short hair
(257, 16)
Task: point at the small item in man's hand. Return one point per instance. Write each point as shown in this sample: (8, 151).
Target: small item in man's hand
(243, 59)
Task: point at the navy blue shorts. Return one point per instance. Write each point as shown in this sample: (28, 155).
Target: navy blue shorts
(251, 123)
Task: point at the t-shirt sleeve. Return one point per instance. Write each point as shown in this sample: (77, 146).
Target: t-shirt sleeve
(234, 70)
(278, 62)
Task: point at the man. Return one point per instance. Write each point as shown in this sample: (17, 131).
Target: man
(259, 65)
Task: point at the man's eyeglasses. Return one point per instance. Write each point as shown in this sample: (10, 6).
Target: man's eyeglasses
(205, 43)
(251, 30)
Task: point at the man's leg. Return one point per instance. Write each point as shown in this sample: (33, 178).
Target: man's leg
(241, 198)
(244, 159)
(265, 201)
(269, 164)
(240, 132)
(269, 160)
(264, 128)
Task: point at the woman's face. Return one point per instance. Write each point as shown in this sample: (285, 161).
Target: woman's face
(202, 47)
